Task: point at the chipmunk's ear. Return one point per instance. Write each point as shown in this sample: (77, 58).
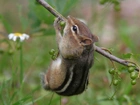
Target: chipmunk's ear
(95, 38)
(85, 41)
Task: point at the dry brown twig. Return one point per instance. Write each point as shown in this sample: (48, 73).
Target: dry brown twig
(97, 49)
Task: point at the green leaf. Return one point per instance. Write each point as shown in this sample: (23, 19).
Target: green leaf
(41, 13)
(24, 21)
(38, 11)
(35, 100)
(23, 100)
(13, 96)
(127, 55)
(7, 26)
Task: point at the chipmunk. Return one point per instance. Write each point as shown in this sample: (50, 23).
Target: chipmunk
(67, 75)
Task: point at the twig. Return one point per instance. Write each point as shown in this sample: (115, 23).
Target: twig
(97, 49)
(113, 58)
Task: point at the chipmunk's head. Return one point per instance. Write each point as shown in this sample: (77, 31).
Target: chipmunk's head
(79, 30)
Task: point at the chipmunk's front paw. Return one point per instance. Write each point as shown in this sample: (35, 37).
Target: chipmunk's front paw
(44, 81)
(57, 23)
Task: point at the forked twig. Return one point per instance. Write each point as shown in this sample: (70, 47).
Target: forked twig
(97, 49)
(114, 58)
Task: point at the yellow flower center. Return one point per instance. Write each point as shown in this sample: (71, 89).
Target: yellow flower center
(17, 34)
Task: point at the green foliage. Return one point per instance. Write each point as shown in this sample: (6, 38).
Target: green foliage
(39, 14)
(5, 23)
(116, 4)
(127, 55)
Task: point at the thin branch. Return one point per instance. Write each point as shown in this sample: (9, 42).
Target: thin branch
(97, 49)
(113, 58)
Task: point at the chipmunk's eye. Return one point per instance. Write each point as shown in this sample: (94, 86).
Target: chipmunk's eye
(74, 28)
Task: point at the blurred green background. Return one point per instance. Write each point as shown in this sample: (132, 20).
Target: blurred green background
(117, 25)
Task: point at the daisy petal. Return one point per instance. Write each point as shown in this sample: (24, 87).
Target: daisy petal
(10, 36)
(22, 38)
(26, 36)
(14, 38)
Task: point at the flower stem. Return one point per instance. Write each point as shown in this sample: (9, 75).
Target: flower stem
(21, 63)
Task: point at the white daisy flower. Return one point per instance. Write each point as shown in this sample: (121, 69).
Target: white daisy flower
(15, 36)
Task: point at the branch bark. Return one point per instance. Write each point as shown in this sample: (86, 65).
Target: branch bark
(97, 49)
(113, 58)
